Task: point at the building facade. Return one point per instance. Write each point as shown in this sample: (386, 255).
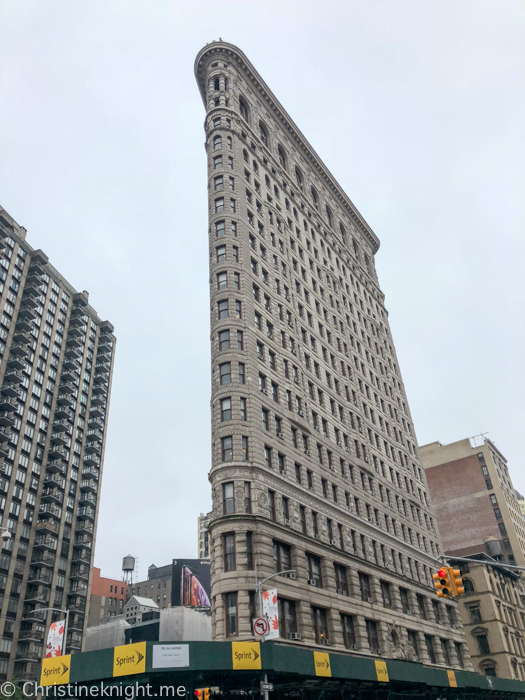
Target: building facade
(55, 379)
(157, 587)
(107, 598)
(474, 500)
(315, 464)
(493, 615)
(204, 535)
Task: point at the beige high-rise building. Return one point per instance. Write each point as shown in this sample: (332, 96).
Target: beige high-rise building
(493, 614)
(204, 535)
(55, 378)
(474, 500)
(315, 463)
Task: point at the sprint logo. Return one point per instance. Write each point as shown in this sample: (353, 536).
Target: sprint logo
(57, 671)
(129, 659)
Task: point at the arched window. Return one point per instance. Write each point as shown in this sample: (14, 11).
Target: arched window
(263, 133)
(329, 216)
(468, 586)
(356, 248)
(216, 84)
(281, 156)
(299, 178)
(217, 142)
(243, 108)
(342, 231)
(315, 198)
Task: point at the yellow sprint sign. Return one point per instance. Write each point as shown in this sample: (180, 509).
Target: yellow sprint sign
(322, 664)
(129, 658)
(246, 655)
(55, 670)
(381, 671)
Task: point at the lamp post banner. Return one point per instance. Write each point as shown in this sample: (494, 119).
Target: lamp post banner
(271, 612)
(55, 639)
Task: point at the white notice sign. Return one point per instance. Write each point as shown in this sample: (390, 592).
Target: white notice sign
(171, 655)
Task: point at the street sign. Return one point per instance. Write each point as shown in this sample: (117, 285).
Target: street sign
(266, 686)
(261, 627)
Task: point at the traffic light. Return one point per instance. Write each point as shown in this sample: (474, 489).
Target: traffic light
(456, 581)
(442, 583)
(202, 693)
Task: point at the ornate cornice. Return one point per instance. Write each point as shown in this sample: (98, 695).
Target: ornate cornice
(243, 64)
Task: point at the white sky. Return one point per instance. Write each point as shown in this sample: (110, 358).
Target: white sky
(416, 108)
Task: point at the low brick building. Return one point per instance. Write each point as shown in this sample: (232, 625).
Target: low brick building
(107, 599)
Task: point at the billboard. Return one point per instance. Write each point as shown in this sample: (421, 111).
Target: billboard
(190, 585)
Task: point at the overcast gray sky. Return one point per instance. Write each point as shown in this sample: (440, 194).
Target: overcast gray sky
(416, 107)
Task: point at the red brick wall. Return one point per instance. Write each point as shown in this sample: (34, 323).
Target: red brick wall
(102, 586)
(461, 502)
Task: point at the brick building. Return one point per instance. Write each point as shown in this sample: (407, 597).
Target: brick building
(107, 599)
(315, 463)
(474, 500)
(493, 614)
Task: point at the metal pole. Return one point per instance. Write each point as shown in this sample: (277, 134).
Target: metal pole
(65, 633)
(483, 561)
(266, 695)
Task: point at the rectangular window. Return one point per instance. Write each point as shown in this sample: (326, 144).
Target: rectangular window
(446, 651)
(249, 551)
(405, 605)
(421, 606)
(225, 373)
(229, 551)
(349, 637)
(302, 518)
(226, 447)
(287, 617)
(230, 604)
(247, 497)
(372, 635)
(341, 581)
(319, 625)
(241, 372)
(429, 643)
(364, 586)
(226, 413)
(282, 557)
(271, 504)
(228, 498)
(224, 339)
(244, 448)
(313, 568)
(385, 592)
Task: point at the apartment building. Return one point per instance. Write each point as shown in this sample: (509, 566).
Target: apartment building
(55, 379)
(476, 505)
(315, 466)
(493, 615)
(106, 599)
(204, 535)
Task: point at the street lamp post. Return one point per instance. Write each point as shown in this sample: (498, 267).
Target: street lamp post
(63, 610)
(258, 584)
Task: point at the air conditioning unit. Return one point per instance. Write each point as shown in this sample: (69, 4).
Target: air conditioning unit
(286, 521)
(296, 380)
(367, 460)
(280, 436)
(355, 403)
(291, 575)
(354, 647)
(347, 449)
(340, 591)
(369, 600)
(312, 582)
(294, 351)
(290, 324)
(360, 430)
(264, 391)
(295, 635)
(334, 543)
(308, 453)
(300, 413)
(388, 607)
(340, 444)
(316, 427)
(269, 334)
(317, 536)
(408, 612)
(331, 467)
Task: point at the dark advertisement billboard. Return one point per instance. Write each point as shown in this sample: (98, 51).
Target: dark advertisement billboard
(190, 584)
